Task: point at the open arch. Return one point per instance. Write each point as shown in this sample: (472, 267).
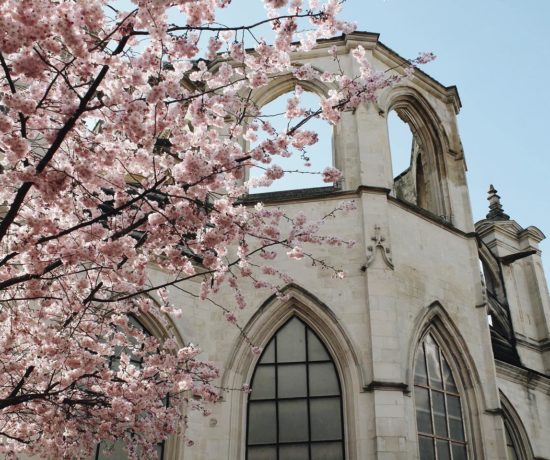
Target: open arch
(517, 440)
(302, 168)
(424, 180)
(263, 325)
(501, 327)
(434, 322)
(285, 84)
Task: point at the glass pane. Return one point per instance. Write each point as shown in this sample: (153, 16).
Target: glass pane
(112, 451)
(268, 356)
(293, 420)
(423, 414)
(325, 419)
(292, 381)
(160, 450)
(440, 421)
(261, 423)
(323, 380)
(443, 450)
(420, 376)
(327, 451)
(455, 418)
(316, 350)
(459, 452)
(432, 357)
(426, 447)
(262, 453)
(291, 344)
(263, 385)
(114, 364)
(293, 452)
(448, 377)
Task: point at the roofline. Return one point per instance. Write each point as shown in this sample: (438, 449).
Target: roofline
(370, 40)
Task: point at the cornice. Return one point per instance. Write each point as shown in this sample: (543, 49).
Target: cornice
(370, 41)
(523, 376)
(508, 227)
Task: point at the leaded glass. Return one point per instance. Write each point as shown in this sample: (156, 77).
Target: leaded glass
(295, 406)
(438, 409)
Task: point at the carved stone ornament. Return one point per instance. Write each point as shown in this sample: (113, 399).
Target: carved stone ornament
(379, 243)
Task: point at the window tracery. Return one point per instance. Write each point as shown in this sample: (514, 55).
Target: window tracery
(295, 407)
(439, 418)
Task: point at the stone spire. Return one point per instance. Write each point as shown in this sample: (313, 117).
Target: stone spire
(495, 208)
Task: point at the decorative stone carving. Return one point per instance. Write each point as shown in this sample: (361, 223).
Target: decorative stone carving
(379, 243)
(496, 212)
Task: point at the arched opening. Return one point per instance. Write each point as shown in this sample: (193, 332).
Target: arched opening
(438, 404)
(498, 311)
(417, 146)
(295, 406)
(304, 166)
(264, 324)
(117, 450)
(422, 198)
(401, 144)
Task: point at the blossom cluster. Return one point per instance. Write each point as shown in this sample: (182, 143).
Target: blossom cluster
(121, 145)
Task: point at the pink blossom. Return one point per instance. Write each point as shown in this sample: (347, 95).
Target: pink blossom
(126, 143)
(230, 317)
(257, 350)
(331, 174)
(296, 253)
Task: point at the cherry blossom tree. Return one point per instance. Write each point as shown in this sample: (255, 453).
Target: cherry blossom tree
(126, 129)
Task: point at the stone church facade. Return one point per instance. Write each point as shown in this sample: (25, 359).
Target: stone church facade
(414, 355)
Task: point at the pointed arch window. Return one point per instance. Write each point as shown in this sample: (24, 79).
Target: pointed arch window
(303, 168)
(109, 450)
(439, 419)
(295, 407)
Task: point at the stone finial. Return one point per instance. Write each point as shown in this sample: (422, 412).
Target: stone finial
(495, 208)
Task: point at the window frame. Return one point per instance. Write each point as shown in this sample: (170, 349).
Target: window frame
(306, 362)
(459, 393)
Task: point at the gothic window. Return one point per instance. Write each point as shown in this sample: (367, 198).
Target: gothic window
(295, 407)
(302, 166)
(401, 144)
(439, 418)
(116, 450)
(417, 155)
